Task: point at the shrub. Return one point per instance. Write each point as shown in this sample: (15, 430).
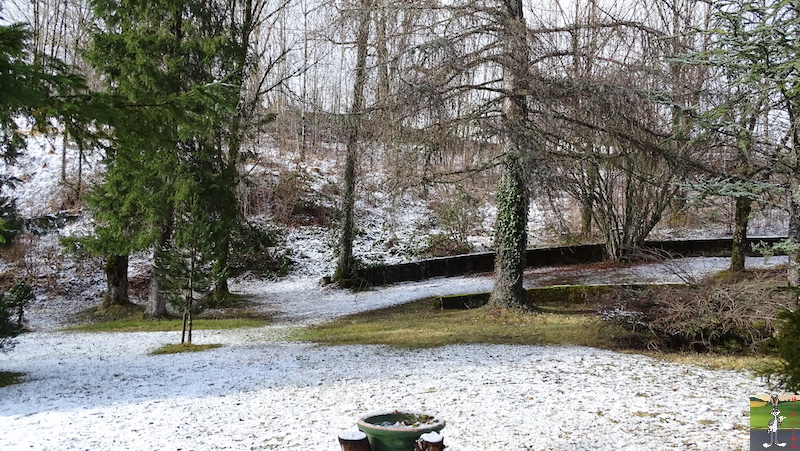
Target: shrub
(457, 213)
(730, 316)
(443, 245)
(787, 342)
(295, 201)
(259, 250)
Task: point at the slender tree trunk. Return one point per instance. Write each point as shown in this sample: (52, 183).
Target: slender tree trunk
(344, 269)
(229, 214)
(512, 193)
(186, 336)
(222, 292)
(741, 218)
(117, 280)
(794, 234)
(156, 304)
(794, 204)
(587, 205)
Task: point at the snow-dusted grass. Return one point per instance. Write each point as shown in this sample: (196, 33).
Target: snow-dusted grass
(105, 391)
(89, 391)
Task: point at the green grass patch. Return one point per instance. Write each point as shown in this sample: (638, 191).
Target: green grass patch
(751, 363)
(168, 325)
(180, 348)
(422, 324)
(9, 378)
(131, 318)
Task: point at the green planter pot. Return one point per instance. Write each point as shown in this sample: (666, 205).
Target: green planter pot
(385, 434)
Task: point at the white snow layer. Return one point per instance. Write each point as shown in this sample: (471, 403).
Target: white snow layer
(104, 391)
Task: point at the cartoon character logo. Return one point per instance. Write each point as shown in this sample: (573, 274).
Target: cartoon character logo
(774, 422)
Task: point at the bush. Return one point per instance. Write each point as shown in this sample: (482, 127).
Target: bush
(259, 250)
(720, 316)
(442, 245)
(787, 342)
(457, 214)
(295, 202)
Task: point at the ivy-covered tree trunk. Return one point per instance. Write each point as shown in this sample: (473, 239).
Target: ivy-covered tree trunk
(344, 267)
(116, 280)
(511, 238)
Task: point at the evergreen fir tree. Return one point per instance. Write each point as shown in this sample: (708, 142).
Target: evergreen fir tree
(12, 304)
(167, 59)
(186, 265)
(37, 94)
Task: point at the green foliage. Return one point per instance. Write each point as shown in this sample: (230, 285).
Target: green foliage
(12, 305)
(7, 378)
(757, 43)
(186, 265)
(38, 92)
(171, 172)
(729, 187)
(755, 52)
(787, 341)
(784, 247)
(258, 249)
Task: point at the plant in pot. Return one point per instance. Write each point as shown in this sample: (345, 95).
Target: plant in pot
(397, 430)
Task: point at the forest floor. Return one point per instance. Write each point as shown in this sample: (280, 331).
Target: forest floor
(262, 391)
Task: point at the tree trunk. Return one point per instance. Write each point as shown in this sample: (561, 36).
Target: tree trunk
(794, 234)
(431, 441)
(220, 296)
(741, 218)
(117, 280)
(188, 307)
(344, 268)
(156, 304)
(512, 238)
(354, 441)
(512, 193)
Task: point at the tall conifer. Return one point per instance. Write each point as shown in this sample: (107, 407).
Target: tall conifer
(167, 60)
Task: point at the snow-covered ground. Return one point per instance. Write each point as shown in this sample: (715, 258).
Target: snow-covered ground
(262, 391)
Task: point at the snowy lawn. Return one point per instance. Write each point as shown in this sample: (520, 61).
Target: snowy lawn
(106, 392)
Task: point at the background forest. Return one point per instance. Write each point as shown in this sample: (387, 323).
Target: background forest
(200, 132)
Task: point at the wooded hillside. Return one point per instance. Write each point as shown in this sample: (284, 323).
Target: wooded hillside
(213, 123)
